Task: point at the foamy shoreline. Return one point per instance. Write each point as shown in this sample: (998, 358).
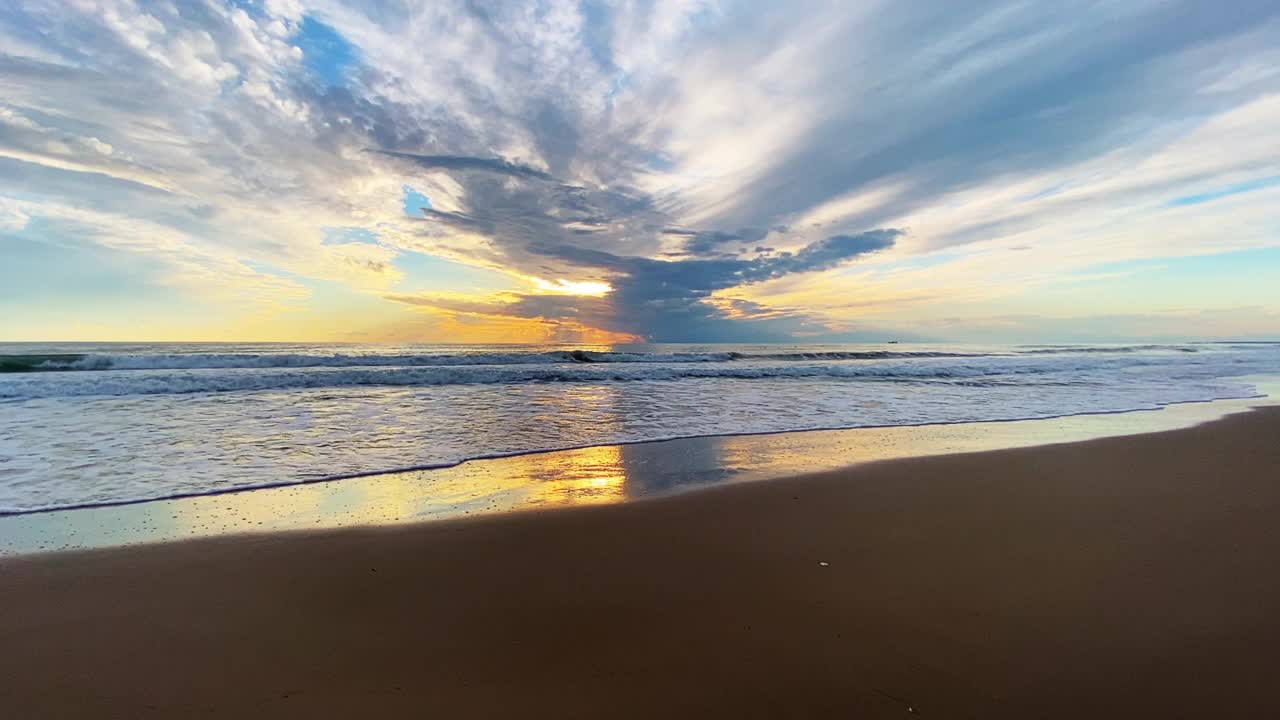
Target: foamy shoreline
(606, 474)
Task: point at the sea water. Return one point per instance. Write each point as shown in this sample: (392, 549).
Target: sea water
(87, 424)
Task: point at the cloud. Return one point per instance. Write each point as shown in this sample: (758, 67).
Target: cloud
(670, 300)
(548, 227)
(719, 165)
(710, 242)
(943, 95)
(458, 162)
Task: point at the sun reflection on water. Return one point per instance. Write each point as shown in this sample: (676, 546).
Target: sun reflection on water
(588, 476)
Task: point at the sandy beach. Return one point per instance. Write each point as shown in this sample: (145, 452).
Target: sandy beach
(590, 360)
(1132, 576)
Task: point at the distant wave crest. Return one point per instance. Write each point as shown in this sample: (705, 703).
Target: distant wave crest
(66, 362)
(207, 380)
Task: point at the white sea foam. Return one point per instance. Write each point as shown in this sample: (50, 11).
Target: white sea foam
(167, 420)
(195, 360)
(205, 373)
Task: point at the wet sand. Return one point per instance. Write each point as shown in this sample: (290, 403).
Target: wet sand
(1135, 576)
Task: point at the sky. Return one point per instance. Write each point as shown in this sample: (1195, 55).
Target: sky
(640, 170)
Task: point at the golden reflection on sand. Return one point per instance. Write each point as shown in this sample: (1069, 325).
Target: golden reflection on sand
(583, 477)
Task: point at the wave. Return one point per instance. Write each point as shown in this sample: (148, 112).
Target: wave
(858, 355)
(1071, 349)
(1145, 406)
(35, 363)
(241, 379)
(67, 362)
(197, 361)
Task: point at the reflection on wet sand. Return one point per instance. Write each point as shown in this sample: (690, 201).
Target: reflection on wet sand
(607, 474)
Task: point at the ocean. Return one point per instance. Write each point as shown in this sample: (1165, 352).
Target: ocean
(102, 423)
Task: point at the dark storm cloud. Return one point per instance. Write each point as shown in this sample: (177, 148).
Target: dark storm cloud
(668, 300)
(716, 241)
(461, 162)
(700, 277)
(554, 229)
(670, 320)
(515, 207)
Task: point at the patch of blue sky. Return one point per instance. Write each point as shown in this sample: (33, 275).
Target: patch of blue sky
(420, 273)
(704, 18)
(20, 223)
(1235, 264)
(427, 273)
(325, 53)
(595, 31)
(1053, 189)
(254, 8)
(912, 262)
(40, 262)
(344, 235)
(1242, 278)
(1243, 187)
(620, 82)
(659, 162)
(414, 202)
(273, 271)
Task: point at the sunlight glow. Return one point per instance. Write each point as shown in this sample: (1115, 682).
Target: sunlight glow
(569, 287)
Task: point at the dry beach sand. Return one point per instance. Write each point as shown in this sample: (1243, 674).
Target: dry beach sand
(1134, 576)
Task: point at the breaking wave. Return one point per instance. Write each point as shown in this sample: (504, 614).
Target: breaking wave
(239, 378)
(94, 424)
(68, 362)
